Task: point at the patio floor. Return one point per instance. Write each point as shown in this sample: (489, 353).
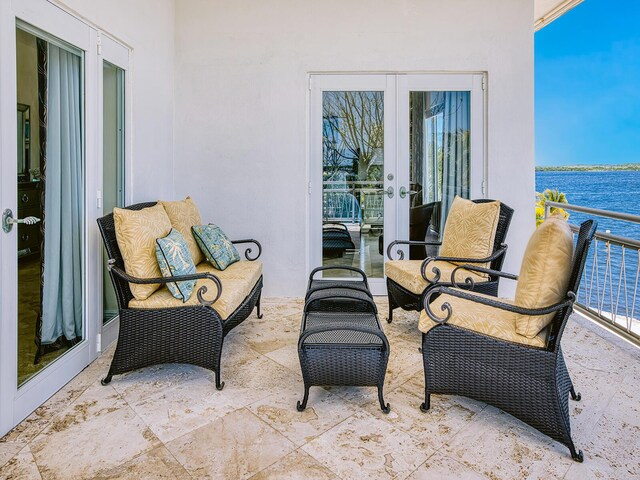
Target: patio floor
(170, 422)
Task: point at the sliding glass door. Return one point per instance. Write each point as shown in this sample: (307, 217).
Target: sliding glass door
(388, 155)
(59, 163)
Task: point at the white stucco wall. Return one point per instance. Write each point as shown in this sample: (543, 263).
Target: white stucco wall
(147, 26)
(241, 72)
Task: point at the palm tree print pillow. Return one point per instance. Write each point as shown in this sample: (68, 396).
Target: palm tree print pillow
(215, 245)
(174, 259)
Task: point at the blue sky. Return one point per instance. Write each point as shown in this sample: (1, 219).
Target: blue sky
(587, 80)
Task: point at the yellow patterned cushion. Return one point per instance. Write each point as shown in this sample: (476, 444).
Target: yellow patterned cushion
(136, 233)
(470, 230)
(183, 215)
(480, 318)
(407, 274)
(544, 274)
(237, 282)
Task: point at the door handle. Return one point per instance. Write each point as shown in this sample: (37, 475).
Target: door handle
(388, 192)
(8, 221)
(403, 192)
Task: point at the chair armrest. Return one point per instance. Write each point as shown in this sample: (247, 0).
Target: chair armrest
(247, 252)
(332, 327)
(337, 267)
(408, 242)
(423, 268)
(469, 283)
(181, 278)
(446, 306)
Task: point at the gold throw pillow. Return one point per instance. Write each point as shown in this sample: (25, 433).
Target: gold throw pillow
(470, 230)
(544, 274)
(136, 233)
(183, 215)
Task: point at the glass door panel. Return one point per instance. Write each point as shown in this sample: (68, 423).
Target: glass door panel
(353, 181)
(113, 154)
(50, 188)
(439, 162)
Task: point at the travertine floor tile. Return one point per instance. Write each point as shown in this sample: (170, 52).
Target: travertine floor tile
(368, 447)
(500, 447)
(440, 466)
(324, 410)
(21, 467)
(447, 416)
(184, 407)
(101, 431)
(8, 450)
(236, 446)
(157, 464)
(296, 466)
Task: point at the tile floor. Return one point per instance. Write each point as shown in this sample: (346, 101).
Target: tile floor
(170, 422)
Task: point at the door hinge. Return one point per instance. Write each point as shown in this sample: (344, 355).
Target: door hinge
(310, 78)
(99, 44)
(99, 342)
(484, 82)
(484, 187)
(99, 199)
(309, 188)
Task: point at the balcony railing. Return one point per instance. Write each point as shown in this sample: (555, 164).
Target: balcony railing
(608, 292)
(358, 202)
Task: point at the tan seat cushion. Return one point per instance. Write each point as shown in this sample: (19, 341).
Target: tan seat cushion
(237, 282)
(136, 233)
(407, 273)
(183, 215)
(544, 274)
(470, 230)
(480, 318)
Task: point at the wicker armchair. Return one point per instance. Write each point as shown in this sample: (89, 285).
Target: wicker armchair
(191, 334)
(527, 380)
(408, 298)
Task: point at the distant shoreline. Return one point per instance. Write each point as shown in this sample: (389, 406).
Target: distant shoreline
(590, 168)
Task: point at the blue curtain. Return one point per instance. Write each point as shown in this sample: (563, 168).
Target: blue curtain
(63, 206)
(456, 161)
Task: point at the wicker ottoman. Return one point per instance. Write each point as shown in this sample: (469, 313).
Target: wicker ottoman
(341, 340)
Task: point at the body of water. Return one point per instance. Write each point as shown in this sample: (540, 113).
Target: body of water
(610, 282)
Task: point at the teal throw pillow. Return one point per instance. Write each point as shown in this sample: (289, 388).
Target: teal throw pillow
(215, 245)
(174, 259)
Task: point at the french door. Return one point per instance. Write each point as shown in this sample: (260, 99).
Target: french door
(51, 184)
(388, 153)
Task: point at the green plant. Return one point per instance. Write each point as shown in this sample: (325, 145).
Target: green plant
(550, 196)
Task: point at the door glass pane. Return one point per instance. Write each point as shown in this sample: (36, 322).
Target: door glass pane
(113, 165)
(50, 189)
(440, 162)
(353, 168)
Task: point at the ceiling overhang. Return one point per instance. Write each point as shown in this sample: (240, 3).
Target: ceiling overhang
(546, 11)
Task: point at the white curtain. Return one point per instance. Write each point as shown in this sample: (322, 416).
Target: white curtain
(62, 293)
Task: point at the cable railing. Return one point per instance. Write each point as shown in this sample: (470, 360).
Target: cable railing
(609, 291)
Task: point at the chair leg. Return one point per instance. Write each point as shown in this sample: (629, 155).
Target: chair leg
(577, 396)
(260, 315)
(576, 455)
(301, 406)
(106, 380)
(392, 306)
(386, 408)
(424, 407)
(219, 384)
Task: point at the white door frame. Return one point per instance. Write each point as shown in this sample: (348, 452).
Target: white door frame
(17, 403)
(114, 52)
(338, 82)
(396, 88)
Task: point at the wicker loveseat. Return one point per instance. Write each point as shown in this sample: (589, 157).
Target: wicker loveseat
(409, 281)
(163, 329)
(484, 347)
